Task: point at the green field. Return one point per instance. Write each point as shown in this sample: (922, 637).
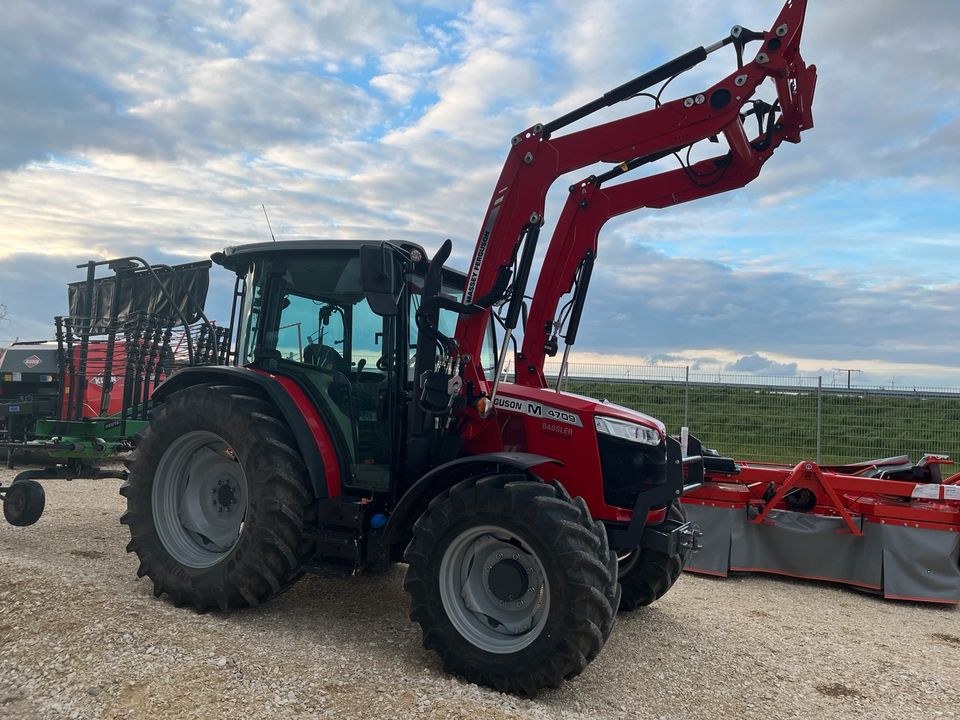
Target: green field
(779, 424)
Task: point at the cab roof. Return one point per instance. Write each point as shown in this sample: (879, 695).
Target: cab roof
(232, 257)
(236, 257)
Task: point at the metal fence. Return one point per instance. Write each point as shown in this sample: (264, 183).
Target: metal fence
(781, 419)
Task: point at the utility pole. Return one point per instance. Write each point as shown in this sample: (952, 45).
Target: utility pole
(848, 371)
(3, 316)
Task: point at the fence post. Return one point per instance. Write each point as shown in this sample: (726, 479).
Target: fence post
(819, 413)
(686, 396)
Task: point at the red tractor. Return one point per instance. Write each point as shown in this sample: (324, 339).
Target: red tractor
(365, 420)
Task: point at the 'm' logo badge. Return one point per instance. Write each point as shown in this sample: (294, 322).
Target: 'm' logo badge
(32, 361)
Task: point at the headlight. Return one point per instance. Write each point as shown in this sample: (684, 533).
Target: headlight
(627, 430)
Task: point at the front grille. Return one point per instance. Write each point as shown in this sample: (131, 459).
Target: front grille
(629, 468)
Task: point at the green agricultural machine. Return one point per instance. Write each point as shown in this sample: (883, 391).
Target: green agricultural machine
(77, 403)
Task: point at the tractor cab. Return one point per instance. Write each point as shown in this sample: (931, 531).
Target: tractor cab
(304, 313)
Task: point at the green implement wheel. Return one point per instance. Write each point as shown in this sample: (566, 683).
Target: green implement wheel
(23, 502)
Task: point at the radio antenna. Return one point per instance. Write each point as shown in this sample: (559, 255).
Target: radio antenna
(269, 227)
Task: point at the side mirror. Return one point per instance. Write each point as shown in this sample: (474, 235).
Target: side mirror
(380, 279)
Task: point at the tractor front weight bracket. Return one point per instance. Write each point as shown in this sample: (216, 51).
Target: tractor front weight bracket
(684, 474)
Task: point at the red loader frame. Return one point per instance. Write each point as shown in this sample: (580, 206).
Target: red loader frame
(512, 223)
(505, 250)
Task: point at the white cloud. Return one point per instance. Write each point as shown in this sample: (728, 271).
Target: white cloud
(399, 88)
(231, 105)
(405, 71)
(325, 30)
(410, 59)
(757, 364)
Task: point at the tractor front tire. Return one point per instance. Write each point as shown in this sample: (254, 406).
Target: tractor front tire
(512, 582)
(645, 575)
(217, 498)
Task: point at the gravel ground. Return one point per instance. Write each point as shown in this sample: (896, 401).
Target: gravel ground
(81, 637)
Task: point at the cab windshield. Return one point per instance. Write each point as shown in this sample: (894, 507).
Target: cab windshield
(452, 288)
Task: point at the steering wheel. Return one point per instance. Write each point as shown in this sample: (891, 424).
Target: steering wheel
(324, 358)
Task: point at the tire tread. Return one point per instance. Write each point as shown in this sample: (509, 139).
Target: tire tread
(269, 560)
(579, 547)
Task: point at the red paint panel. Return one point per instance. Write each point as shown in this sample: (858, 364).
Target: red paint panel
(573, 445)
(732, 505)
(878, 500)
(655, 517)
(317, 428)
(93, 381)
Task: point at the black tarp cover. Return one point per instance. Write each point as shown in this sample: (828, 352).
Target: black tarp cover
(140, 293)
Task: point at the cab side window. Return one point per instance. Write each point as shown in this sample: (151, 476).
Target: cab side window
(312, 332)
(327, 326)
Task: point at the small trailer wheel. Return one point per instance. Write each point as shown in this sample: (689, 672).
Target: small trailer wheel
(23, 502)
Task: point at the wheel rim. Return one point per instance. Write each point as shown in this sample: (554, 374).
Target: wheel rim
(199, 499)
(15, 501)
(627, 561)
(494, 589)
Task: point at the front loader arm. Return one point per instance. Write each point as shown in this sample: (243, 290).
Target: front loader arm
(591, 204)
(508, 236)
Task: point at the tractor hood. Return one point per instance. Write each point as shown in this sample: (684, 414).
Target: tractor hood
(551, 405)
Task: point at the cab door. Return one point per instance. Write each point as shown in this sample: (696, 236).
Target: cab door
(329, 339)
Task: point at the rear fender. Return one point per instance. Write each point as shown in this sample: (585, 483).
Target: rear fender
(308, 429)
(398, 530)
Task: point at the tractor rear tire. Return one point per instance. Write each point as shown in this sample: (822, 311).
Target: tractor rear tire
(512, 583)
(645, 575)
(212, 453)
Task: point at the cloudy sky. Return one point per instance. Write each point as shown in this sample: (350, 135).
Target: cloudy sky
(159, 128)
